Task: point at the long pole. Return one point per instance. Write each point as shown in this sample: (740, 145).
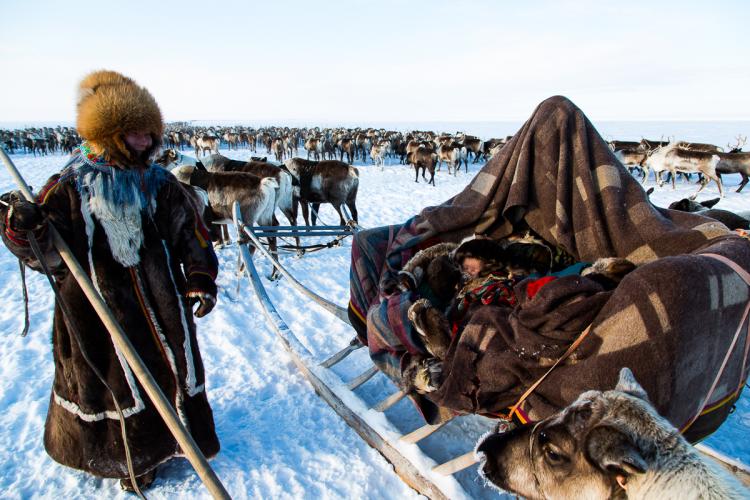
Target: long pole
(121, 340)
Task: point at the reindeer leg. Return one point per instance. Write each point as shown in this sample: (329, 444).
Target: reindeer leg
(305, 212)
(745, 178)
(718, 183)
(274, 251)
(314, 215)
(351, 205)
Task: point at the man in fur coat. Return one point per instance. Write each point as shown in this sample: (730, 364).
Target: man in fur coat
(131, 225)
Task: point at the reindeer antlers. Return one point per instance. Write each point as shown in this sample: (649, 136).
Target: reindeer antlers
(740, 142)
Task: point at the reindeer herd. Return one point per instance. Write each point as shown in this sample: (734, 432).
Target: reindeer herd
(325, 174)
(425, 151)
(685, 158)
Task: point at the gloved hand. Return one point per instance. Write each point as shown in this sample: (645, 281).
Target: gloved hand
(207, 302)
(25, 215)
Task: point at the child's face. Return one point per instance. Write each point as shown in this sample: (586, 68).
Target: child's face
(472, 266)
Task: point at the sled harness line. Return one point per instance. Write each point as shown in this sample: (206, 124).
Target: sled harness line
(74, 333)
(746, 278)
(315, 247)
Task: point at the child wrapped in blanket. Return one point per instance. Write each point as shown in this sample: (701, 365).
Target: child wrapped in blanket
(452, 280)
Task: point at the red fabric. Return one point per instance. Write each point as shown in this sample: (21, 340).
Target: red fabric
(534, 287)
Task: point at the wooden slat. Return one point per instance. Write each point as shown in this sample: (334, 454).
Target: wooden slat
(421, 433)
(457, 464)
(342, 354)
(389, 401)
(362, 378)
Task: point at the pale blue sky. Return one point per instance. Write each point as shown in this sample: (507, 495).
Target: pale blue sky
(382, 61)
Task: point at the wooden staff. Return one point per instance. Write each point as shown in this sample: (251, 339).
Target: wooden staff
(121, 340)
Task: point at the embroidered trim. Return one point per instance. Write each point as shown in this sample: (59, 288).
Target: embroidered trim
(91, 158)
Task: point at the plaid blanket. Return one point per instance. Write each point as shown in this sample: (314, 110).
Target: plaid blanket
(671, 320)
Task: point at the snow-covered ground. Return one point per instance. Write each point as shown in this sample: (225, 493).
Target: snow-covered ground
(278, 438)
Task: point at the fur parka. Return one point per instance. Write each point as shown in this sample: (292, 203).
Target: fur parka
(136, 234)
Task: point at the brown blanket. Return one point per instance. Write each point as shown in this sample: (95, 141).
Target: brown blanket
(671, 320)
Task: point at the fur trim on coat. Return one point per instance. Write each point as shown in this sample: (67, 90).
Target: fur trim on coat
(110, 105)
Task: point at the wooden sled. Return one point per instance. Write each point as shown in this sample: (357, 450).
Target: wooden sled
(430, 476)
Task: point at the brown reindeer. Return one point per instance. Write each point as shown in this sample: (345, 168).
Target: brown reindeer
(257, 196)
(474, 146)
(327, 149)
(312, 145)
(290, 145)
(425, 159)
(277, 147)
(346, 146)
(326, 181)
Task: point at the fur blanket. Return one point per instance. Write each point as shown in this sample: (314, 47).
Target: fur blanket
(671, 320)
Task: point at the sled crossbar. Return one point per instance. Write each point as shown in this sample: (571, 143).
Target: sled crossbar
(342, 354)
(389, 401)
(362, 378)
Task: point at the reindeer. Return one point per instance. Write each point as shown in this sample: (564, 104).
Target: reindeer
(633, 158)
(378, 152)
(735, 162)
(312, 145)
(675, 159)
(206, 144)
(257, 196)
(345, 145)
(290, 145)
(451, 154)
(277, 147)
(474, 146)
(232, 139)
(425, 159)
(327, 148)
(326, 181)
(361, 142)
(409, 149)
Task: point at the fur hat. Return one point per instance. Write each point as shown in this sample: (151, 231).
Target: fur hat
(110, 105)
(479, 247)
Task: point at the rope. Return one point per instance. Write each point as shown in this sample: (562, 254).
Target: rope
(74, 333)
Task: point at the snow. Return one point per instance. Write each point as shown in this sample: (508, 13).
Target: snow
(278, 438)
